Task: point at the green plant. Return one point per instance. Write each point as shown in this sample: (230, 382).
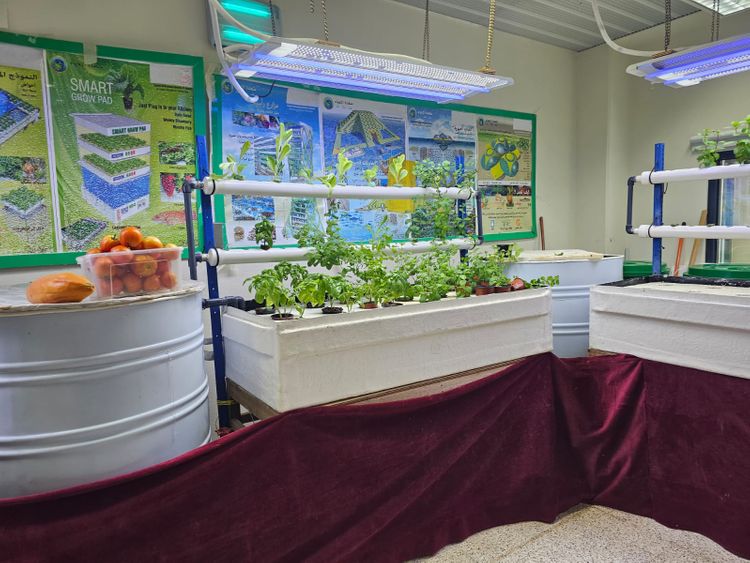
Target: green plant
(125, 80)
(307, 175)
(232, 168)
(283, 148)
(368, 263)
(114, 168)
(544, 281)
(270, 287)
(742, 145)
(709, 155)
(396, 169)
(371, 175)
(348, 293)
(312, 289)
(264, 231)
(343, 165)
(435, 275)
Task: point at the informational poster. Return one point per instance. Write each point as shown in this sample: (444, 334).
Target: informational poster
(258, 124)
(504, 174)
(439, 134)
(369, 133)
(496, 145)
(124, 141)
(27, 223)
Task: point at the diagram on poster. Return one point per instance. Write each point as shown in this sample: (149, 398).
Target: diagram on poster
(123, 134)
(370, 134)
(504, 174)
(26, 203)
(258, 124)
(438, 134)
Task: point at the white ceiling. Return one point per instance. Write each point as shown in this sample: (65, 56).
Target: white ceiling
(566, 23)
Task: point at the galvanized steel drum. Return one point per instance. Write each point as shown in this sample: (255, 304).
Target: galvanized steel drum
(96, 389)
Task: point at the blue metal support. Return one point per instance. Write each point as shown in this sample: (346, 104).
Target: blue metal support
(213, 290)
(658, 210)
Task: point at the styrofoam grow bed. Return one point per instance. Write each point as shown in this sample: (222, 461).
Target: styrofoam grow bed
(698, 322)
(324, 358)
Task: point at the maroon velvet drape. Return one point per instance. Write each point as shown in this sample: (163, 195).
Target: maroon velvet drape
(389, 482)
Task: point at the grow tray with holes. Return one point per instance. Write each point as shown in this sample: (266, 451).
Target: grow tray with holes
(701, 323)
(324, 358)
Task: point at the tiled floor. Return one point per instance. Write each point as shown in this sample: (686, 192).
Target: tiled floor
(586, 534)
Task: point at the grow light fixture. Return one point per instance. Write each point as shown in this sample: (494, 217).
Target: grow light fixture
(324, 65)
(697, 64)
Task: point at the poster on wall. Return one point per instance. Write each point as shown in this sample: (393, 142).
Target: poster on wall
(27, 205)
(504, 174)
(258, 125)
(439, 134)
(124, 141)
(369, 133)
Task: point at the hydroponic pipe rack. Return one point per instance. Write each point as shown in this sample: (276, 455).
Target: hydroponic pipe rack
(657, 177)
(213, 257)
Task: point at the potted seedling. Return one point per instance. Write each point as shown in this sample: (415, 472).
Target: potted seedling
(709, 155)
(500, 283)
(283, 148)
(544, 281)
(271, 288)
(311, 290)
(125, 80)
(233, 168)
(348, 293)
(324, 290)
(264, 233)
(396, 285)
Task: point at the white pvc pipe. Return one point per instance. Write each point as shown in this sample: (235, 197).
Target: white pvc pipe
(218, 256)
(289, 189)
(685, 174)
(698, 232)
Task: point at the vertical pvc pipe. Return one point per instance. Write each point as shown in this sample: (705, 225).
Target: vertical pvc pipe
(187, 200)
(658, 210)
(213, 290)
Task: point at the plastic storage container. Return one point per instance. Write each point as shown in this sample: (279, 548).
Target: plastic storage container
(724, 271)
(134, 272)
(640, 269)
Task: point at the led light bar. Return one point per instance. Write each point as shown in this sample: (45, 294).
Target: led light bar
(323, 65)
(697, 64)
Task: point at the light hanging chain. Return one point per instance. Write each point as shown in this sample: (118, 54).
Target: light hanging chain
(667, 25)
(426, 37)
(273, 18)
(715, 16)
(487, 68)
(325, 19)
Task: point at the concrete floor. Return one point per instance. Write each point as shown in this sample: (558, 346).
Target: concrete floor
(586, 534)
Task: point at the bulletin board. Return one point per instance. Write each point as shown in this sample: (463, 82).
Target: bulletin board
(90, 143)
(369, 130)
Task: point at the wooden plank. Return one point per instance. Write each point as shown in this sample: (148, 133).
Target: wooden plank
(697, 242)
(419, 389)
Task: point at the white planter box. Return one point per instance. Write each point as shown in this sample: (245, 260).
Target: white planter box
(324, 358)
(705, 327)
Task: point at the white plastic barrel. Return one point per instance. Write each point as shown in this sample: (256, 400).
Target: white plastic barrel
(578, 270)
(96, 389)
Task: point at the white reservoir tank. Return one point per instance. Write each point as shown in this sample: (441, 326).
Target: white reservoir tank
(96, 389)
(579, 270)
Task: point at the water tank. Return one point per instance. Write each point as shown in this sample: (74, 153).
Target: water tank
(96, 389)
(578, 271)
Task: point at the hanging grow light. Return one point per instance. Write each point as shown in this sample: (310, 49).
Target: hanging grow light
(697, 64)
(318, 63)
(324, 65)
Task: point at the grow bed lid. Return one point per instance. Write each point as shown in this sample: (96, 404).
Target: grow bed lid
(110, 124)
(563, 255)
(13, 301)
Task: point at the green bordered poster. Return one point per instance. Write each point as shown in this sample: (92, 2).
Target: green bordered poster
(105, 143)
(371, 130)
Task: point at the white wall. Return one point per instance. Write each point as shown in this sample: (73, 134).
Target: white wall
(637, 116)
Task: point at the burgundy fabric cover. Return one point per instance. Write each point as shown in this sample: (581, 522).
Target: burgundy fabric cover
(390, 482)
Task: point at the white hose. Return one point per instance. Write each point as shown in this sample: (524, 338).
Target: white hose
(220, 53)
(608, 39)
